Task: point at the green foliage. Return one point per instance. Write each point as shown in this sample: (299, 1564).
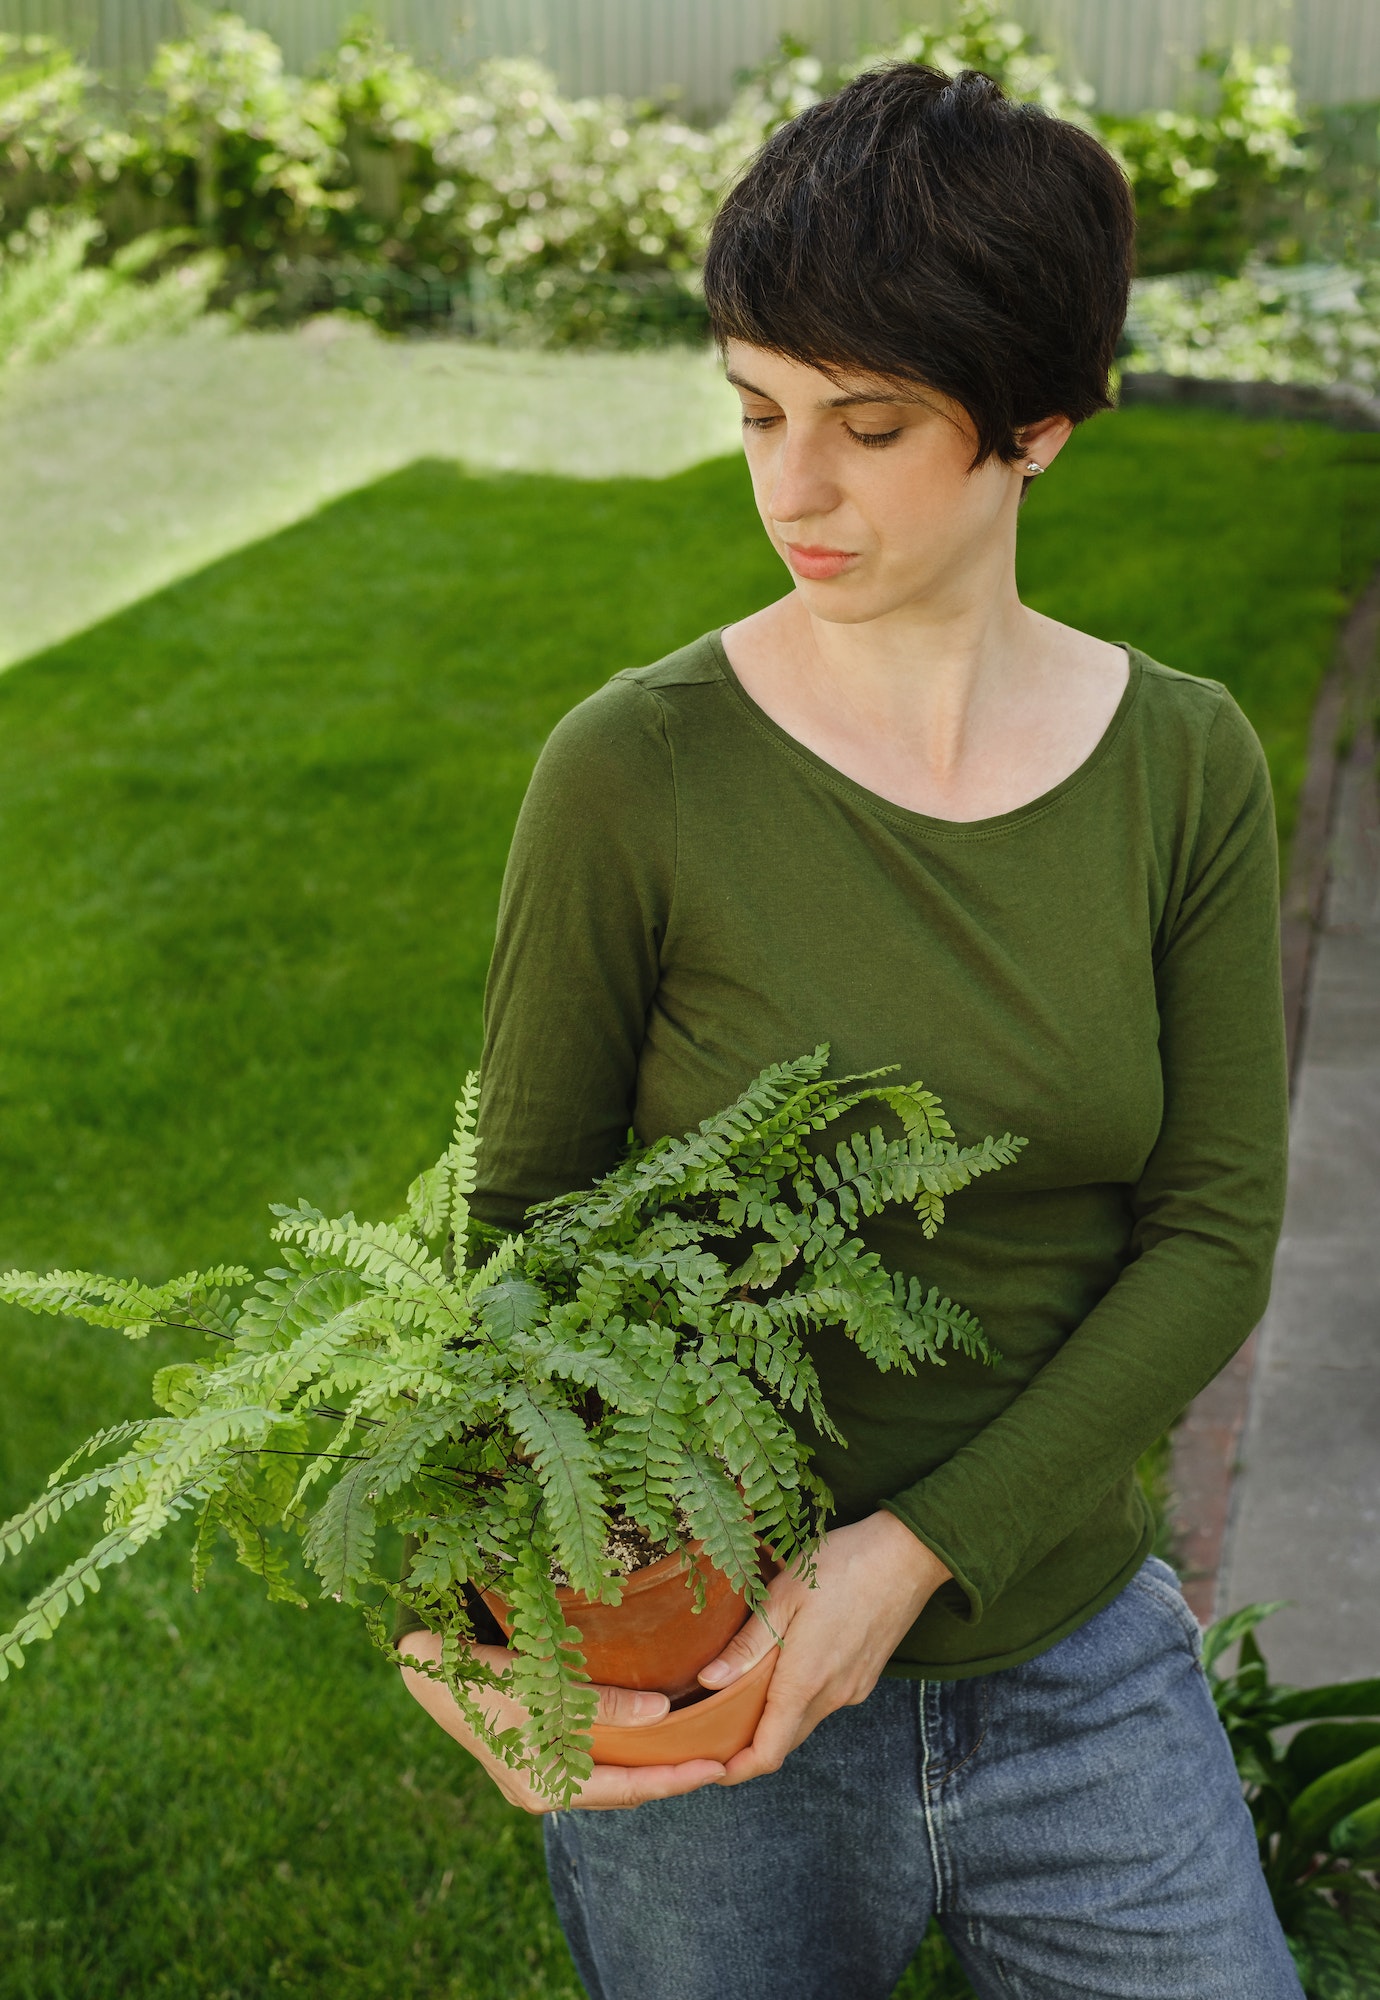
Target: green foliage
(1301, 323)
(252, 151)
(1315, 1804)
(978, 36)
(632, 1353)
(512, 212)
(1206, 178)
(59, 136)
(53, 299)
(1332, 214)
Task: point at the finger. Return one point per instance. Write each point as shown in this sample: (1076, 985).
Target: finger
(752, 1644)
(524, 1797)
(613, 1786)
(787, 1720)
(630, 1705)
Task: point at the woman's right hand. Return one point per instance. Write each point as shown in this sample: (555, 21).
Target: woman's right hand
(609, 1787)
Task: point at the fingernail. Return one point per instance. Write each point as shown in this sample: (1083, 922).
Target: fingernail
(716, 1673)
(645, 1706)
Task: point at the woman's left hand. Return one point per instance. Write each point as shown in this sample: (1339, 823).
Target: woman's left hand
(872, 1580)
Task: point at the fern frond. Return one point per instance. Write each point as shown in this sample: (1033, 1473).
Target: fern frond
(760, 1450)
(644, 1451)
(683, 1167)
(568, 1467)
(919, 1110)
(256, 1553)
(933, 1323)
(45, 1612)
(496, 1265)
(438, 1200)
(339, 1544)
(55, 1501)
(463, 1158)
(445, 1559)
(596, 1366)
(462, 1672)
(123, 1303)
(428, 1201)
(113, 1302)
(383, 1252)
(549, 1678)
(100, 1441)
(274, 1375)
(399, 1452)
(204, 1544)
(193, 1443)
(509, 1307)
(286, 1303)
(717, 1516)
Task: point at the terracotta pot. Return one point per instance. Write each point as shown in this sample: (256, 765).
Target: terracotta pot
(719, 1726)
(655, 1638)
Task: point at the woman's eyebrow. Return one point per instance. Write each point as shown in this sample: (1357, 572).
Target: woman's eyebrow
(845, 402)
(739, 382)
(861, 396)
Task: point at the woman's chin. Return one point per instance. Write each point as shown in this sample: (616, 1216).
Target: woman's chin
(850, 599)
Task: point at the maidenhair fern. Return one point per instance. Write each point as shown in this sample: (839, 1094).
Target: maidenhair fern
(641, 1351)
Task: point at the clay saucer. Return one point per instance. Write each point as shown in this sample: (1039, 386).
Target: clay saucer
(719, 1726)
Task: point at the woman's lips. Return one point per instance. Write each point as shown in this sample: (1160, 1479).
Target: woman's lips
(817, 563)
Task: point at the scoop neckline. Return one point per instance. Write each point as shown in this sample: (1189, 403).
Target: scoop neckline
(952, 829)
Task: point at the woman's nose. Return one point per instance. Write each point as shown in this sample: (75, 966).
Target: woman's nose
(802, 488)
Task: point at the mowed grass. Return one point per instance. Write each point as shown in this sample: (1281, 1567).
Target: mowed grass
(251, 836)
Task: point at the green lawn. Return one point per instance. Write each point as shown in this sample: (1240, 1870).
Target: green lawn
(122, 473)
(251, 833)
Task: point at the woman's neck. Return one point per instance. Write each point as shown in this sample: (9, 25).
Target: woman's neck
(962, 710)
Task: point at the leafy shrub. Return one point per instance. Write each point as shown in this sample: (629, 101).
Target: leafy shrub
(1304, 323)
(502, 208)
(51, 299)
(58, 139)
(1207, 179)
(1315, 1804)
(978, 37)
(635, 1353)
(247, 153)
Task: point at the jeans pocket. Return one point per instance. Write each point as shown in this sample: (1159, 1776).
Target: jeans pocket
(1157, 1581)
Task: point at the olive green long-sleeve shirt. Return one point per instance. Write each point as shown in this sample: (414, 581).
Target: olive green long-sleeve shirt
(692, 894)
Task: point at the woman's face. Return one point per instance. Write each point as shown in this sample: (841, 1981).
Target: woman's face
(867, 489)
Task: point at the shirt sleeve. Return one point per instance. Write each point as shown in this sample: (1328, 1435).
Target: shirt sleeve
(1206, 1213)
(582, 915)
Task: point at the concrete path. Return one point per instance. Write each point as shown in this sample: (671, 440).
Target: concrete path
(1306, 1509)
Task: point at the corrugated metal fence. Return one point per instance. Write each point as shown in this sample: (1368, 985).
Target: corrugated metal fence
(1134, 52)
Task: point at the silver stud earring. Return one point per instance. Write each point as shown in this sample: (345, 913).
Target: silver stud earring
(1032, 469)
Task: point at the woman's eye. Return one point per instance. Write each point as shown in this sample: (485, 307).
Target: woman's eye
(758, 423)
(873, 437)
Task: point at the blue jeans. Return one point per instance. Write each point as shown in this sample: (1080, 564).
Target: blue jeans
(1076, 1823)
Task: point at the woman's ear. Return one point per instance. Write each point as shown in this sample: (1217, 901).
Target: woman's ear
(1043, 442)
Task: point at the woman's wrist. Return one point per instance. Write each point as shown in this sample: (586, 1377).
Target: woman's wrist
(915, 1561)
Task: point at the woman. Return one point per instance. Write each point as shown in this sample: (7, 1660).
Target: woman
(901, 812)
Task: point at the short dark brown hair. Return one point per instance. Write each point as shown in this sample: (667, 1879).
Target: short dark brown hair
(926, 227)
